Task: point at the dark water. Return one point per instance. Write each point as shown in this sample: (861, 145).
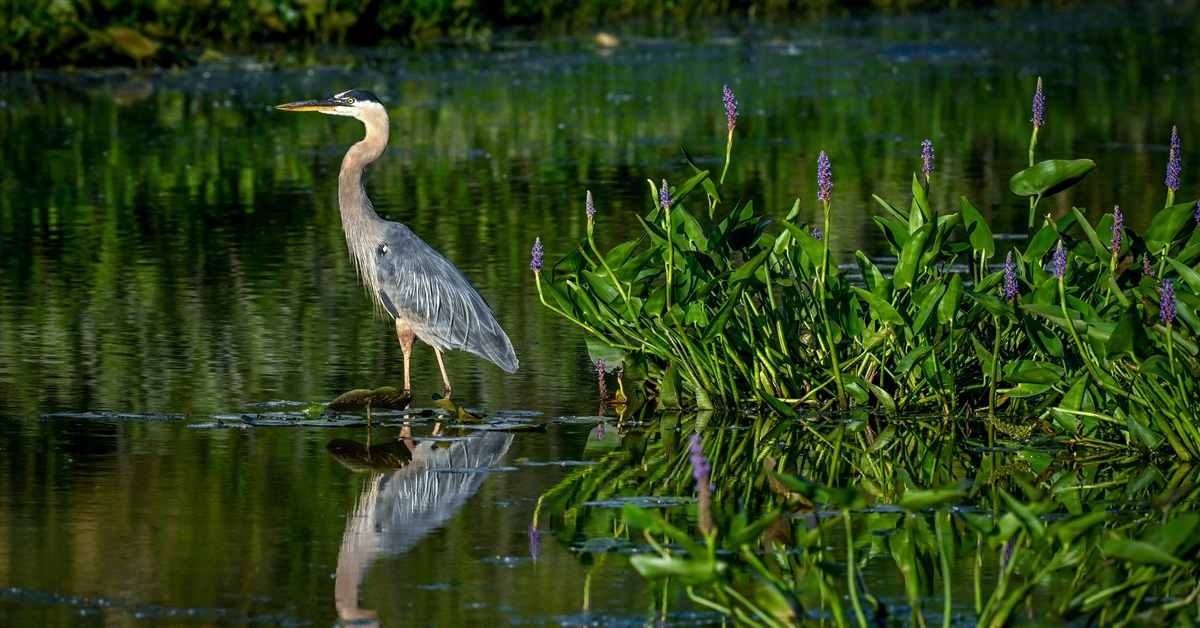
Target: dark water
(171, 245)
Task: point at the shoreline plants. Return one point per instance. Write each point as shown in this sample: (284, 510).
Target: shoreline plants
(1087, 327)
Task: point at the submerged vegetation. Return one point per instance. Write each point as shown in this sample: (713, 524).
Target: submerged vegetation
(1087, 327)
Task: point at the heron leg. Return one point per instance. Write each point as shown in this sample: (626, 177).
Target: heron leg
(445, 378)
(406, 336)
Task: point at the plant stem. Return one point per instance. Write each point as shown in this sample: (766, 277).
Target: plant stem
(822, 293)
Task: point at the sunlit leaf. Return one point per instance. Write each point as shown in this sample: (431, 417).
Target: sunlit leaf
(1050, 177)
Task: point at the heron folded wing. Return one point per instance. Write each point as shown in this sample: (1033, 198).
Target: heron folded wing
(425, 290)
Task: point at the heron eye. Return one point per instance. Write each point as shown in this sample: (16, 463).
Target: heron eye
(349, 101)
(383, 249)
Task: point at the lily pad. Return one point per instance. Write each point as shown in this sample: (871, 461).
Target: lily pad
(363, 398)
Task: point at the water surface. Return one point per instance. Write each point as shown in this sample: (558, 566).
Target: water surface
(171, 246)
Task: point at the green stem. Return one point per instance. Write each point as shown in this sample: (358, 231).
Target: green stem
(851, 577)
(995, 369)
(611, 275)
(821, 287)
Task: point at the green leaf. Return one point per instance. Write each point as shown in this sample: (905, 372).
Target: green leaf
(978, 231)
(895, 233)
(1166, 225)
(1032, 372)
(1069, 530)
(1139, 552)
(722, 318)
(910, 256)
(948, 309)
(780, 407)
(914, 500)
(689, 571)
(912, 357)
(1028, 520)
(899, 215)
(598, 350)
(1137, 422)
(747, 270)
(1129, 336)
(709, 187)
(1050, 177)
(669, 390)
(880, 307)
(1187, 274)
(920, 199)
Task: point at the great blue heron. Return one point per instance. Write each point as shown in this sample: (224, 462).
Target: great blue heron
(429, 298)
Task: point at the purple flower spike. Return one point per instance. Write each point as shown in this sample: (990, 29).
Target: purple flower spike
(927, 155)
(1166, 306)
(600, 376)
(664, 196)
(816, 233)
(1039, 106)
(824, 177)
(1118, 232)
(1146, 270)
(1010, 289)
(535, 542)
(701, 471)
(590, 207)
(731, 108)
(1058, 264)
(536, 264)
(1173, 165)
(700, 465)
(1198, 211)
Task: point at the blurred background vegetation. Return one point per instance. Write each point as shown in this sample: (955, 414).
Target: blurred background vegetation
(63, 33)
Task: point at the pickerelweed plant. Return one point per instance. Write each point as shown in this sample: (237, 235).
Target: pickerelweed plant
(724, 307)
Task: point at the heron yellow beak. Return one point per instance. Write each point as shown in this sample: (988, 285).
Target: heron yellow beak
(321, 104)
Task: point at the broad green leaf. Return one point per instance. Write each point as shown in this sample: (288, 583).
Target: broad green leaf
(779, 406)
(1187, 274)
(1032, 372)
(689, 571)
(669, 390)
(598, 350)
(880, 307)
(748, 269)
(978, 231)
(910, 256)
(948, 309)
(1050, 177)
(921, 200)
(1129, 337)
(1139, 552)
(1041, 244)
(912, 357)
(619, 254)
(992, 304)
(1138, 424)
(722, 318)
(914, 500)
(1166, 225)
(895, 233)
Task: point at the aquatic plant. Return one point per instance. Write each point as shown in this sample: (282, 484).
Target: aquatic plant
(736, 308)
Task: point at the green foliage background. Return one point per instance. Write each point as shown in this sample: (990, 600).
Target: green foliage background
(42, 33)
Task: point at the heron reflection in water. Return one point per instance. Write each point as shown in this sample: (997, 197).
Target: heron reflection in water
(397, 509)
(429, 298)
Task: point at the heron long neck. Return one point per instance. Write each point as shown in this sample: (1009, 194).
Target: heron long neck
(352, 196)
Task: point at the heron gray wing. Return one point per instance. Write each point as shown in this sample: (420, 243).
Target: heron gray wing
(423, 289)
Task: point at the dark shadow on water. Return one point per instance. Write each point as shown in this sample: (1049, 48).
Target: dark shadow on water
(431, 480)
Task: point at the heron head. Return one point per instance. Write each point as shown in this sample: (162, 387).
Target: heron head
(355, 103)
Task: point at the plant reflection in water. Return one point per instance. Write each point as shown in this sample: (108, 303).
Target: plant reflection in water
(420, 483)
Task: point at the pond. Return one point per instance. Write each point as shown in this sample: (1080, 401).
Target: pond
(172, 257)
